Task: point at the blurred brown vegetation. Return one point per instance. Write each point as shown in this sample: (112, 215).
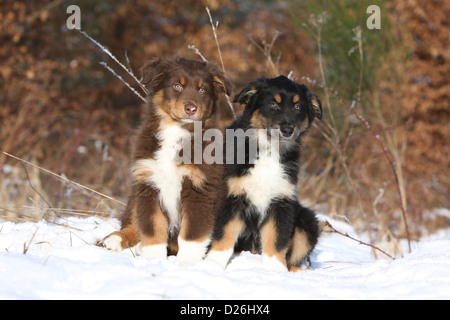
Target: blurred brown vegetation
(63, 111)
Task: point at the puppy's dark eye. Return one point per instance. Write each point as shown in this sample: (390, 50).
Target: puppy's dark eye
(178, 87)
(297, 107)
(274, 106)
(202, 91)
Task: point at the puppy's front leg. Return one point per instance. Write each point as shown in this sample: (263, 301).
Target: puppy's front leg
(274, 256)
(228, 227)
(197, 224)
(275, 234)
(153, 224)
(192, 242)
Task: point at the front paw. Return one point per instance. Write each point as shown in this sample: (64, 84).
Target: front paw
(219, 257)
(158, 251)
(273, 264)
(113, 242)
(191, 252)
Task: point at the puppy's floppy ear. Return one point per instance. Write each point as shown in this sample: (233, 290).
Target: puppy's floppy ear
(249, 91)
(316, 106)
(222, 84)
(153, 71)
(220, 81)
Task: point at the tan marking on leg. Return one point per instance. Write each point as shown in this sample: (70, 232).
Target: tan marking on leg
(231, 232)
(129, 234)
(186, 233)
(268, 242)
(295, 269)
(192, 243)
(160, 229)
(300, 248)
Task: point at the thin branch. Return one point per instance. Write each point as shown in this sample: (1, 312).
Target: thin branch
(214, 28)
(121, 79)
(129, 71)
(379, 142)
(359, 241)
(38, 193)
(266, 50)
(25, 246)
(63, 178)
(194, 48)
(317, 22)
(215, 37)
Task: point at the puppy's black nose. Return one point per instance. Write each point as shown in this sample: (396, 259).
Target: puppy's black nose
(190, 109)
(286, 131)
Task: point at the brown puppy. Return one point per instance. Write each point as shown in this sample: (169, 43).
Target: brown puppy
(174, 201)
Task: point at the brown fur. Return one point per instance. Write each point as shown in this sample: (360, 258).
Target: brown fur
(174, 84)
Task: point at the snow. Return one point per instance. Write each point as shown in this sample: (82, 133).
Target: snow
(62, 262)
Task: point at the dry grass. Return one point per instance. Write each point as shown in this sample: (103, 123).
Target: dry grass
(353, 161)
(23, 197)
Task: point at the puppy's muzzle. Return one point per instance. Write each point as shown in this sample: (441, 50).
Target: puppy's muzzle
(190, 109)
(286, 131)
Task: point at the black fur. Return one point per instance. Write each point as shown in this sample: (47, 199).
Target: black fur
(288, 108)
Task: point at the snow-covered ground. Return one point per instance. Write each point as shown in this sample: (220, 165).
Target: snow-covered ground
(62, 262)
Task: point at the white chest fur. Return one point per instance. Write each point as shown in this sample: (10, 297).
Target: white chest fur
(163, 171)
(267, 179)
(266, 182)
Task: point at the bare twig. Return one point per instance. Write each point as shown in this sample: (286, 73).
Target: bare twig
(317, 22)
(266, 50)
(121, 79)
(358, 38)
(215, 37)
(214, 29)
(37, 192)
(81, 212)
(197, 52)
(62, 178)
(377, 138)
(129, 71)
(27, 246)
(194, 48)
(327, 224)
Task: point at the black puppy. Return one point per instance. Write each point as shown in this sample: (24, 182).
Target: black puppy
(262, 212)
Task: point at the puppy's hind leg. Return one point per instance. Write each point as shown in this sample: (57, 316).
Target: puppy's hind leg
(304, 238)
